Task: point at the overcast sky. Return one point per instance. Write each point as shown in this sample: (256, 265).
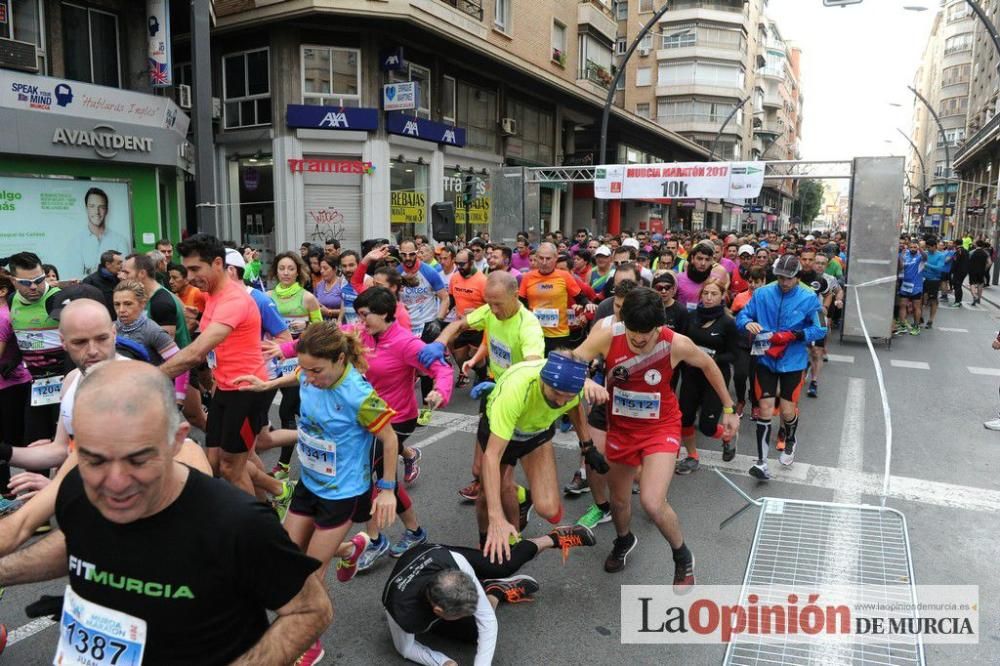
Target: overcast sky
(855, 61)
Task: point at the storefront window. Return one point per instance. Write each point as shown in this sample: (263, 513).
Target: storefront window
(409, 208)
(256, 202)
(477, 214)
(476, 109)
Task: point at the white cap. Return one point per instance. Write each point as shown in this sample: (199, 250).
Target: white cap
(810, 237)
(234, 258)
(603, 251)
(630, 242)
(746, 249)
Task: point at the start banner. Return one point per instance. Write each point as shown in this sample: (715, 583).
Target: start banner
(679, 180)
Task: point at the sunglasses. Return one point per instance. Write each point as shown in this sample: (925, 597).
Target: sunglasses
(407, 254)
(664, 287)
(477, 249)
(461, 264)
(30, 282)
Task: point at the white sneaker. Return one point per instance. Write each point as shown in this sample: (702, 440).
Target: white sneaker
(760, 471)
(992, 425)
(788, 457)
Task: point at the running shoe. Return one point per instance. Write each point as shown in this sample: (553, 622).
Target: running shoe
(513, 590)
(348, 566)
(375, 550)
(915, 330)
(594, 516)
(760, 471)
(955, 305)
(787, 457)
(572, 536)
(411, 468)
(470, 493)
(312, 656)
(8, 506)
(687, 466)
(284, 499)
(812, 390)
(408, 541)
(992, 425)
(729, 448)
(463, 381)
(620, 552)
(578, 485)
(524, 506)
(683, 576)
(280, 471)
(930, 324)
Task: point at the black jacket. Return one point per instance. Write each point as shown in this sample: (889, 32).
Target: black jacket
(107, 286)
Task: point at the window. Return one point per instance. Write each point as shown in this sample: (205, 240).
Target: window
(642, 110)
(679, 36)
(955, 136)
(621, 45)
(535, 139)
(621, 10)
(958, 43)
(643, 76)
(448, 99)
(689, 110)
(958, 11)
(24, 24)
(941, 172)
(91, 49)
(558, 42)
(953, 106)
(422, 76)
(701, 73)
(331, 76)
(646, 6)
(957, 74)
(246, 89)
(501, 17)
(476, 111)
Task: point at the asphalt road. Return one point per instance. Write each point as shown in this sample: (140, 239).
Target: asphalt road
(944, 469)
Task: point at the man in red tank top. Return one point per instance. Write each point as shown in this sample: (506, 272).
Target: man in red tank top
(644, 420)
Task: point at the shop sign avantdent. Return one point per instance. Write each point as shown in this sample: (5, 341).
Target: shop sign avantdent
(104, 139)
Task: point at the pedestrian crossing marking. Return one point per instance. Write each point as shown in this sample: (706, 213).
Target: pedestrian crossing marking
(913, 365)
(839, 358)
(953, 330)
(993, 372)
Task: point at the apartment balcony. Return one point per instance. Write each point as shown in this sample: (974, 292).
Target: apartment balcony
(772, 98)
(774, 73)
(598, 75)
(700, 89)
(704, 49)
(473, 8)
(698, 124)
(708, 12)
(597, 15)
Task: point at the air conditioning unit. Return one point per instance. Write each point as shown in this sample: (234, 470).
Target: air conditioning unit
(184, 96)
(216, 108)
(508, 126)
(644, 51)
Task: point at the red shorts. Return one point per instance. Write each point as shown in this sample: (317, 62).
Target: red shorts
(632, 452)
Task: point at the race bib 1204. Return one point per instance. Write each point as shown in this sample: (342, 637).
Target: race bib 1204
(97, 636)
(46, 391)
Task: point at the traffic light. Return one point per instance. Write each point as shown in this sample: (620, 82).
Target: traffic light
(468, 190)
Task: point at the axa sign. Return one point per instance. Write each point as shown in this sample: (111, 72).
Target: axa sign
(105, 140)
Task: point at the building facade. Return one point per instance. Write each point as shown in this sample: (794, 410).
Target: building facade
(943, 79)
(79, 116)
(706, 60)
(306, 150)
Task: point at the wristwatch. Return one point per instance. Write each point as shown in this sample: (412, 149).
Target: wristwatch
(382, 484)
(728, 410)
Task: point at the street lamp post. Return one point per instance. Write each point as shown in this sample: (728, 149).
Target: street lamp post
(923, 174)
(947, 153)
(602, 210)
(715, 142)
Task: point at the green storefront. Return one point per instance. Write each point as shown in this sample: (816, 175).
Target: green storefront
(89, 170)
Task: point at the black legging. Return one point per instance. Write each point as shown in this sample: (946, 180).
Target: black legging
(521, 553)
(956, 282)
(743, 376)
(698, 395)
(12, 401)
(287, 411)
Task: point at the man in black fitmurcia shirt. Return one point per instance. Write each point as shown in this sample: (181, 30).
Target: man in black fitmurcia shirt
(155, 577)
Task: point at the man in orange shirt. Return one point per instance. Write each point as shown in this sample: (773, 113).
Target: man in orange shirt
(467, 291)
(191, 296)
(547, 292)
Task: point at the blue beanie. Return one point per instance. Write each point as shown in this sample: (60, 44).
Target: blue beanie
(564, 373)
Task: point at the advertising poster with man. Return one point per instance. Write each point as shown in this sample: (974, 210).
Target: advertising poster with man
(68, 223)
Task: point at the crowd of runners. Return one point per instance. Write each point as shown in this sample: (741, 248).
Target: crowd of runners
(635, 342)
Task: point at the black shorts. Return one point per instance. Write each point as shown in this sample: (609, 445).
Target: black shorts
(820, 343)
(598, 417)
(552, 344)
(468, 338)
(911, 297)
(977, 278)
(328, 514)
(403, 430)
(228, 412)
(516, 449)
(784, 385)
(931, 289)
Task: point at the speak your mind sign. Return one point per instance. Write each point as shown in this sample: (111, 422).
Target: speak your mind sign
(52, 218)
(679, 180)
